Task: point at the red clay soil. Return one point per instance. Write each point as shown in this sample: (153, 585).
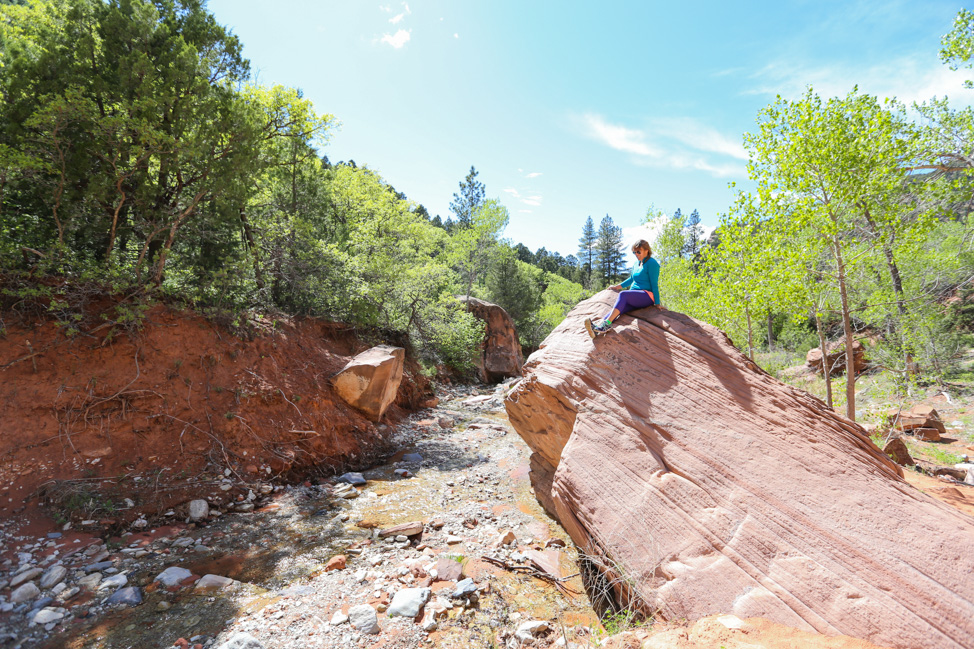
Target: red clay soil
(157, 418)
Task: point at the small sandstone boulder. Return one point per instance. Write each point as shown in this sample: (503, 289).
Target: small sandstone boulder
(369, 381)
(836, 357)
(53, 576)
(405, 529)
(336, 563)
(896, 449)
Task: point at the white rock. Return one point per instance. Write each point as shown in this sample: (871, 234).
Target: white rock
(529, 630)
(25, 593)
(408, 602)
(47, 615)
(213, 582)
(453, 540)
(338, 618)
(25, 575)
(364, 619)
(113, 582)
(54, 576)
(172, 575)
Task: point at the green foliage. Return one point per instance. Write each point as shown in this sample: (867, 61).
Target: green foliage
(609, 256)
(957, 46)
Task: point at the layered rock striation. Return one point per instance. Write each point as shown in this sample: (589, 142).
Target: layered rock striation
(699, 484)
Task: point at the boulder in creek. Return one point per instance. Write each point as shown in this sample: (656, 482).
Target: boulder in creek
(369, 381)
(500, 353)
(699, 484)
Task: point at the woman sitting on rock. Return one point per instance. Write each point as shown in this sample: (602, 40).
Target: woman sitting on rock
(644, 292)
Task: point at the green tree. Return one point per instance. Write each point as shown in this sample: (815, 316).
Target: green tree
(471, 248)
(468, 200)
(586, 250)
(825, 164)
(609, 255)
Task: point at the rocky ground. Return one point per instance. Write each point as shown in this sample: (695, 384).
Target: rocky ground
(312, 565)
(443, 545)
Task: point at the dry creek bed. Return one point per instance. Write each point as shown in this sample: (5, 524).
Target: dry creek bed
(288, 573)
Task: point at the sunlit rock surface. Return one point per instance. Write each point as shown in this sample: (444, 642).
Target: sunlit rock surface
(702, 485)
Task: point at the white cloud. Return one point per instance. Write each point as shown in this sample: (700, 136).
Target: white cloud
(385, 8)
(395, 19)
(524, 211)
(700, 137)
(455, 35)
(398, 39)
(534, 174)
(618, 137)
(533, 201)
(677, 143)
(907, 78)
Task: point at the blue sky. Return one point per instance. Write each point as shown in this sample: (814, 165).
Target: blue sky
(571, 109)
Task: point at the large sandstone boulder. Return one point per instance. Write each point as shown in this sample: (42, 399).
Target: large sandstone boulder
(699, 484)
(837, 358)
(500, 354)
(369, 381)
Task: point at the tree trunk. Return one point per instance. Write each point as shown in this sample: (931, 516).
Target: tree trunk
(770, 331)
(826, 368)
(897, 281)
(254, 252)
(850, 365)
(750, 332)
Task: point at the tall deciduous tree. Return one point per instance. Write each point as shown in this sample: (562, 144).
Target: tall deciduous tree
(830, 164)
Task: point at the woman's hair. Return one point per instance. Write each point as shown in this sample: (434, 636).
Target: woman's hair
(642, 244)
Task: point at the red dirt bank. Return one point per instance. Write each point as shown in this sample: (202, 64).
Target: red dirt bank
(158, 418)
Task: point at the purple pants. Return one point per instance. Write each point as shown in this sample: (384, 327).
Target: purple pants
(630, 301)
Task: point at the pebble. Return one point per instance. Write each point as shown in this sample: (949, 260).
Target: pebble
(173, 575)
(25, 593)
(128, 596)
(408, 602)
(353, 478)
(241, 641)
(363, 618)
(338, 618)
(26, 575)
(213, 582)
(48, 615)
(115, 581)
(198, 510)
(90, 581)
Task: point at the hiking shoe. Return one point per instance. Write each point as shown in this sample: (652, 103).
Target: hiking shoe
(590, 328)
(602, 326)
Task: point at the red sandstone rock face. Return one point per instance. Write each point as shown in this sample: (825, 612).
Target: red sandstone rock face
(714, 488)
(837, 357)
(369, 381)
(501, 353)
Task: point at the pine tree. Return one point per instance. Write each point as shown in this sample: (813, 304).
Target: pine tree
(471, 196)
(609, 254)
(586, 251)
(693, 232)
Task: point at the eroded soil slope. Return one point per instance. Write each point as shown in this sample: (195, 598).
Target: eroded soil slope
(105, 426)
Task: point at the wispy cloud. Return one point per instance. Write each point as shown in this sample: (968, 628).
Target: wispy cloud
(395, 19)
(534, 174)
(909, 79)
(398, 39)
(619, 137)
(674, 143)
(532, 200)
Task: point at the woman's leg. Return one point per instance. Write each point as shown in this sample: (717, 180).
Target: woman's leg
(629, 301)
